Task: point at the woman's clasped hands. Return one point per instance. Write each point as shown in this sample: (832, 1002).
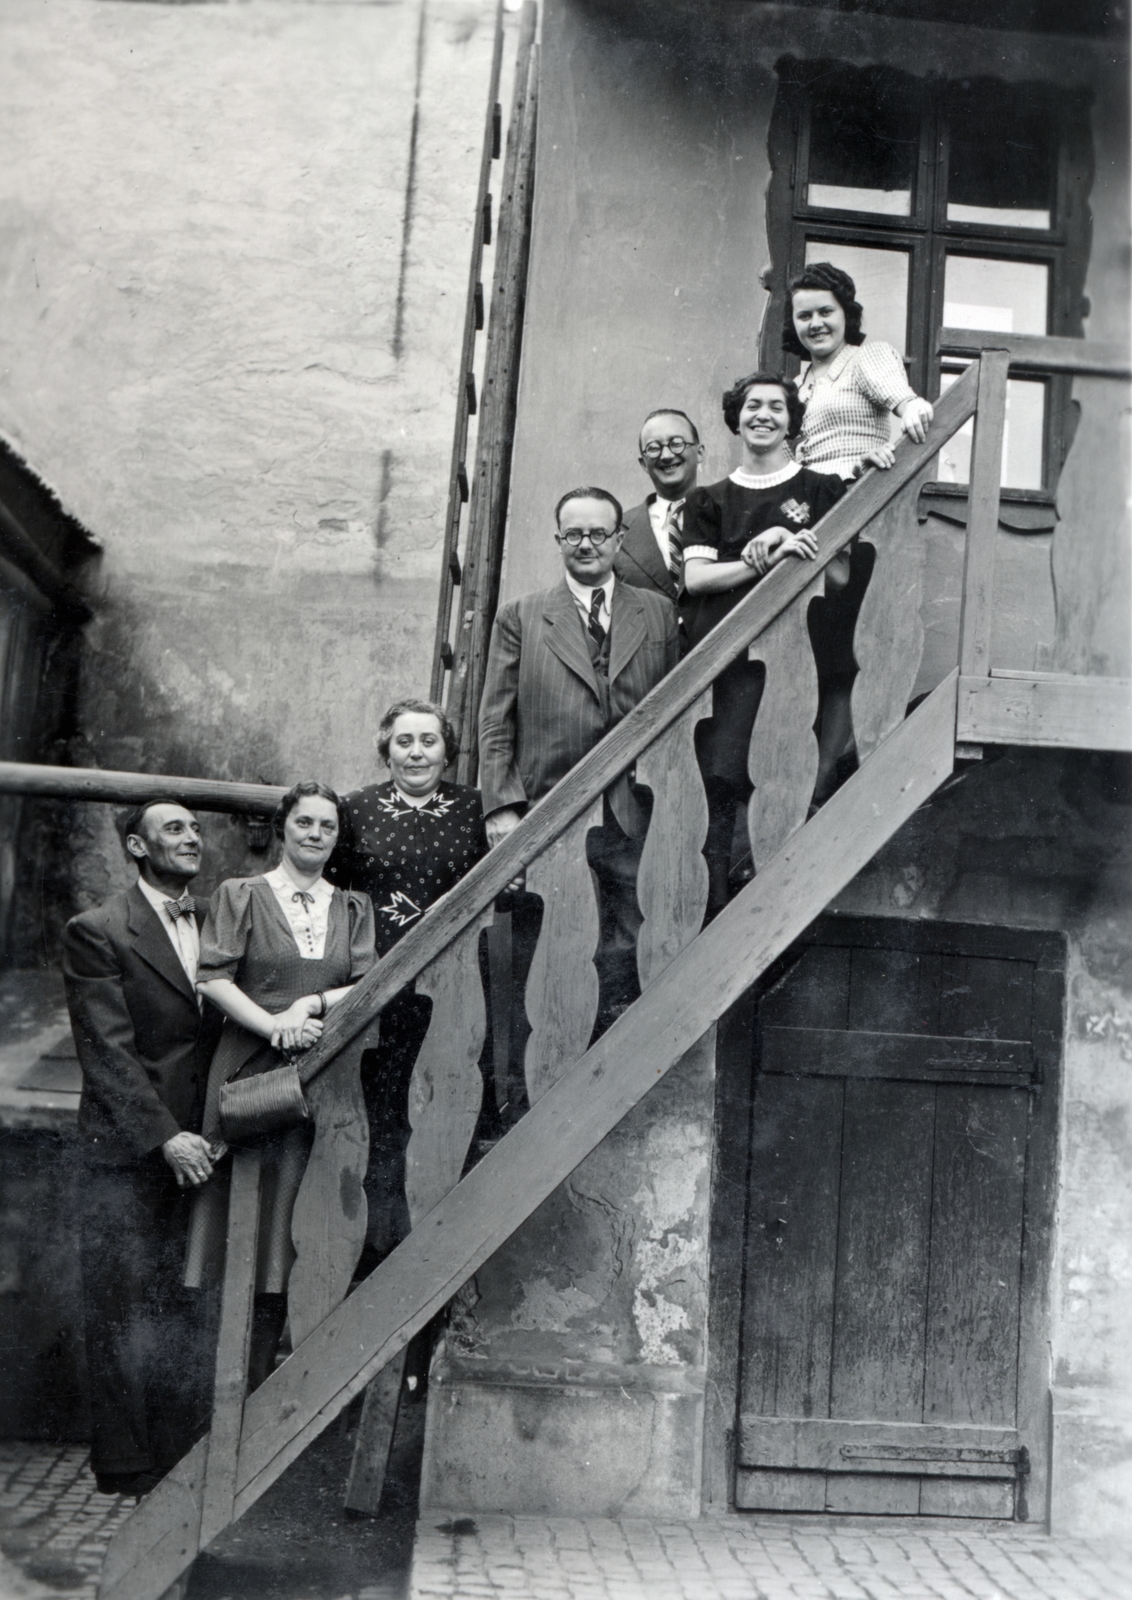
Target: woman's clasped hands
(766, 549)
(299, 1026)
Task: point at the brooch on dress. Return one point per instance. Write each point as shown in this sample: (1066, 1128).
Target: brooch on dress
(797, 512)
(400, 909)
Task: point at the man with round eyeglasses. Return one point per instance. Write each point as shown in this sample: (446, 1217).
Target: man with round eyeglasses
(564, 666)
(651, 556)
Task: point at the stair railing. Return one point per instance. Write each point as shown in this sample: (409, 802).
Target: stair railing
(577, 1094)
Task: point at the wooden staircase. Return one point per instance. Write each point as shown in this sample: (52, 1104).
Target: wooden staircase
(688, 977)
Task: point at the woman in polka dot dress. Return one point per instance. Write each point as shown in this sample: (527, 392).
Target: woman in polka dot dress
(407, 842)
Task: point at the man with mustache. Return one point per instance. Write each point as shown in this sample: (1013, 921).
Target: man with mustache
(144, 1043)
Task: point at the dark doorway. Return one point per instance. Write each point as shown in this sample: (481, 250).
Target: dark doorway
(899, 1201)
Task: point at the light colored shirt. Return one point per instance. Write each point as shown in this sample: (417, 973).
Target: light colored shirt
(849, 406)
(583, 599)
(183, 933)
(308, 919)
(665, 519)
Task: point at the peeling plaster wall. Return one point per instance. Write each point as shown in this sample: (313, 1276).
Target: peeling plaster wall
(572, 1377)
(224, 351)
(1043, 839)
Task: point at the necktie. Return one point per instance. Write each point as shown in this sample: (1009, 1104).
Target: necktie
(179, 908)
(593, 624)
(305, 900)
(673, 528)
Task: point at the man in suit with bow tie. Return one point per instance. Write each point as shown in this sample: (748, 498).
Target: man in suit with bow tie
(564, 666)
(144, 1043)
(651, 556)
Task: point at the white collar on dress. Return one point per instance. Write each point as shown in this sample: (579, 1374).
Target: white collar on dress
(283, 883)
(417, 801)
(767, 480)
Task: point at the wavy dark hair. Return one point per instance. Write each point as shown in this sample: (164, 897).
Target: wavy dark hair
(823, 275)
(303, 791)
(733, 400)
(424, 708)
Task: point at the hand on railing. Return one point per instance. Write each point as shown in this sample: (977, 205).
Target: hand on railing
(500, 825)
(916, 417)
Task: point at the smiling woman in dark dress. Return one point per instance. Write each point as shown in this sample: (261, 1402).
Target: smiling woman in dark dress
(734, 533)
(407, 842)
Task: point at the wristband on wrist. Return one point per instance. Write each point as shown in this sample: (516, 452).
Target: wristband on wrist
(322, 999)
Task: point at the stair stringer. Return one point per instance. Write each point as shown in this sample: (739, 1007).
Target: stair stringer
(336, 1361)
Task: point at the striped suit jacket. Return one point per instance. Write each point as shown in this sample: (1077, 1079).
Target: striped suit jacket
(541, 711)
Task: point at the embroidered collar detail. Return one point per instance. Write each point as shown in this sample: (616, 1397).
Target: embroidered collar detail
(768, 480)
(394, 804)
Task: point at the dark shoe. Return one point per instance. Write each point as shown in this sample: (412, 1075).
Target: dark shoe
(124, 1483)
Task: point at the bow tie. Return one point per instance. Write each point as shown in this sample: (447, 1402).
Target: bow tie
(179, 908)
(303, 898)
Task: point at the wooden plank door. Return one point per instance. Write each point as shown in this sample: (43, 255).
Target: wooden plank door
(899, 1201)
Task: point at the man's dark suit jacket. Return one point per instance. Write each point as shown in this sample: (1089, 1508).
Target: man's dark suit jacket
(143, 1043)
(542, 710)
(639, 560)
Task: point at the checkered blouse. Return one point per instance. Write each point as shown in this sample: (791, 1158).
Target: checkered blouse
(849, 406)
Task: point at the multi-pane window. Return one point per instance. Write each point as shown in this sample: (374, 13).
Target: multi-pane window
(951, 205)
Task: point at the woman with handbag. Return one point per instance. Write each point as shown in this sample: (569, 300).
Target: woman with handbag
(277, 951)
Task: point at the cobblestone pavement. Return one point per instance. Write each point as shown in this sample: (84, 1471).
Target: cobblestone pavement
(54, 1524)
(294, 1544)
(756, 1558)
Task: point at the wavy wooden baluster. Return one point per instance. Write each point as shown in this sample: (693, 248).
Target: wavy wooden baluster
(328, 1224)
(888, 642)
(673, 878)
(783, 759)
(562, 986)
(446, 1089)
(445, 1093)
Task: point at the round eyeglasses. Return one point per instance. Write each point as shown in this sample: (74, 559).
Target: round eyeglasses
(574, 536)
(675, 447)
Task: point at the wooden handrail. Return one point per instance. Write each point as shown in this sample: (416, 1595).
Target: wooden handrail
(1033, 353)
(135, 788)
(590, 778)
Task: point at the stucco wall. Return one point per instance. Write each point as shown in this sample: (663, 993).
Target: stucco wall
(572, 1376)
(226, 353)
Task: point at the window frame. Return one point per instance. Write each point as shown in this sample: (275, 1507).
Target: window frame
(929, 237)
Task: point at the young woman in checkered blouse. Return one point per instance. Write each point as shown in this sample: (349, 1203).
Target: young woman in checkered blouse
(851, 390)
